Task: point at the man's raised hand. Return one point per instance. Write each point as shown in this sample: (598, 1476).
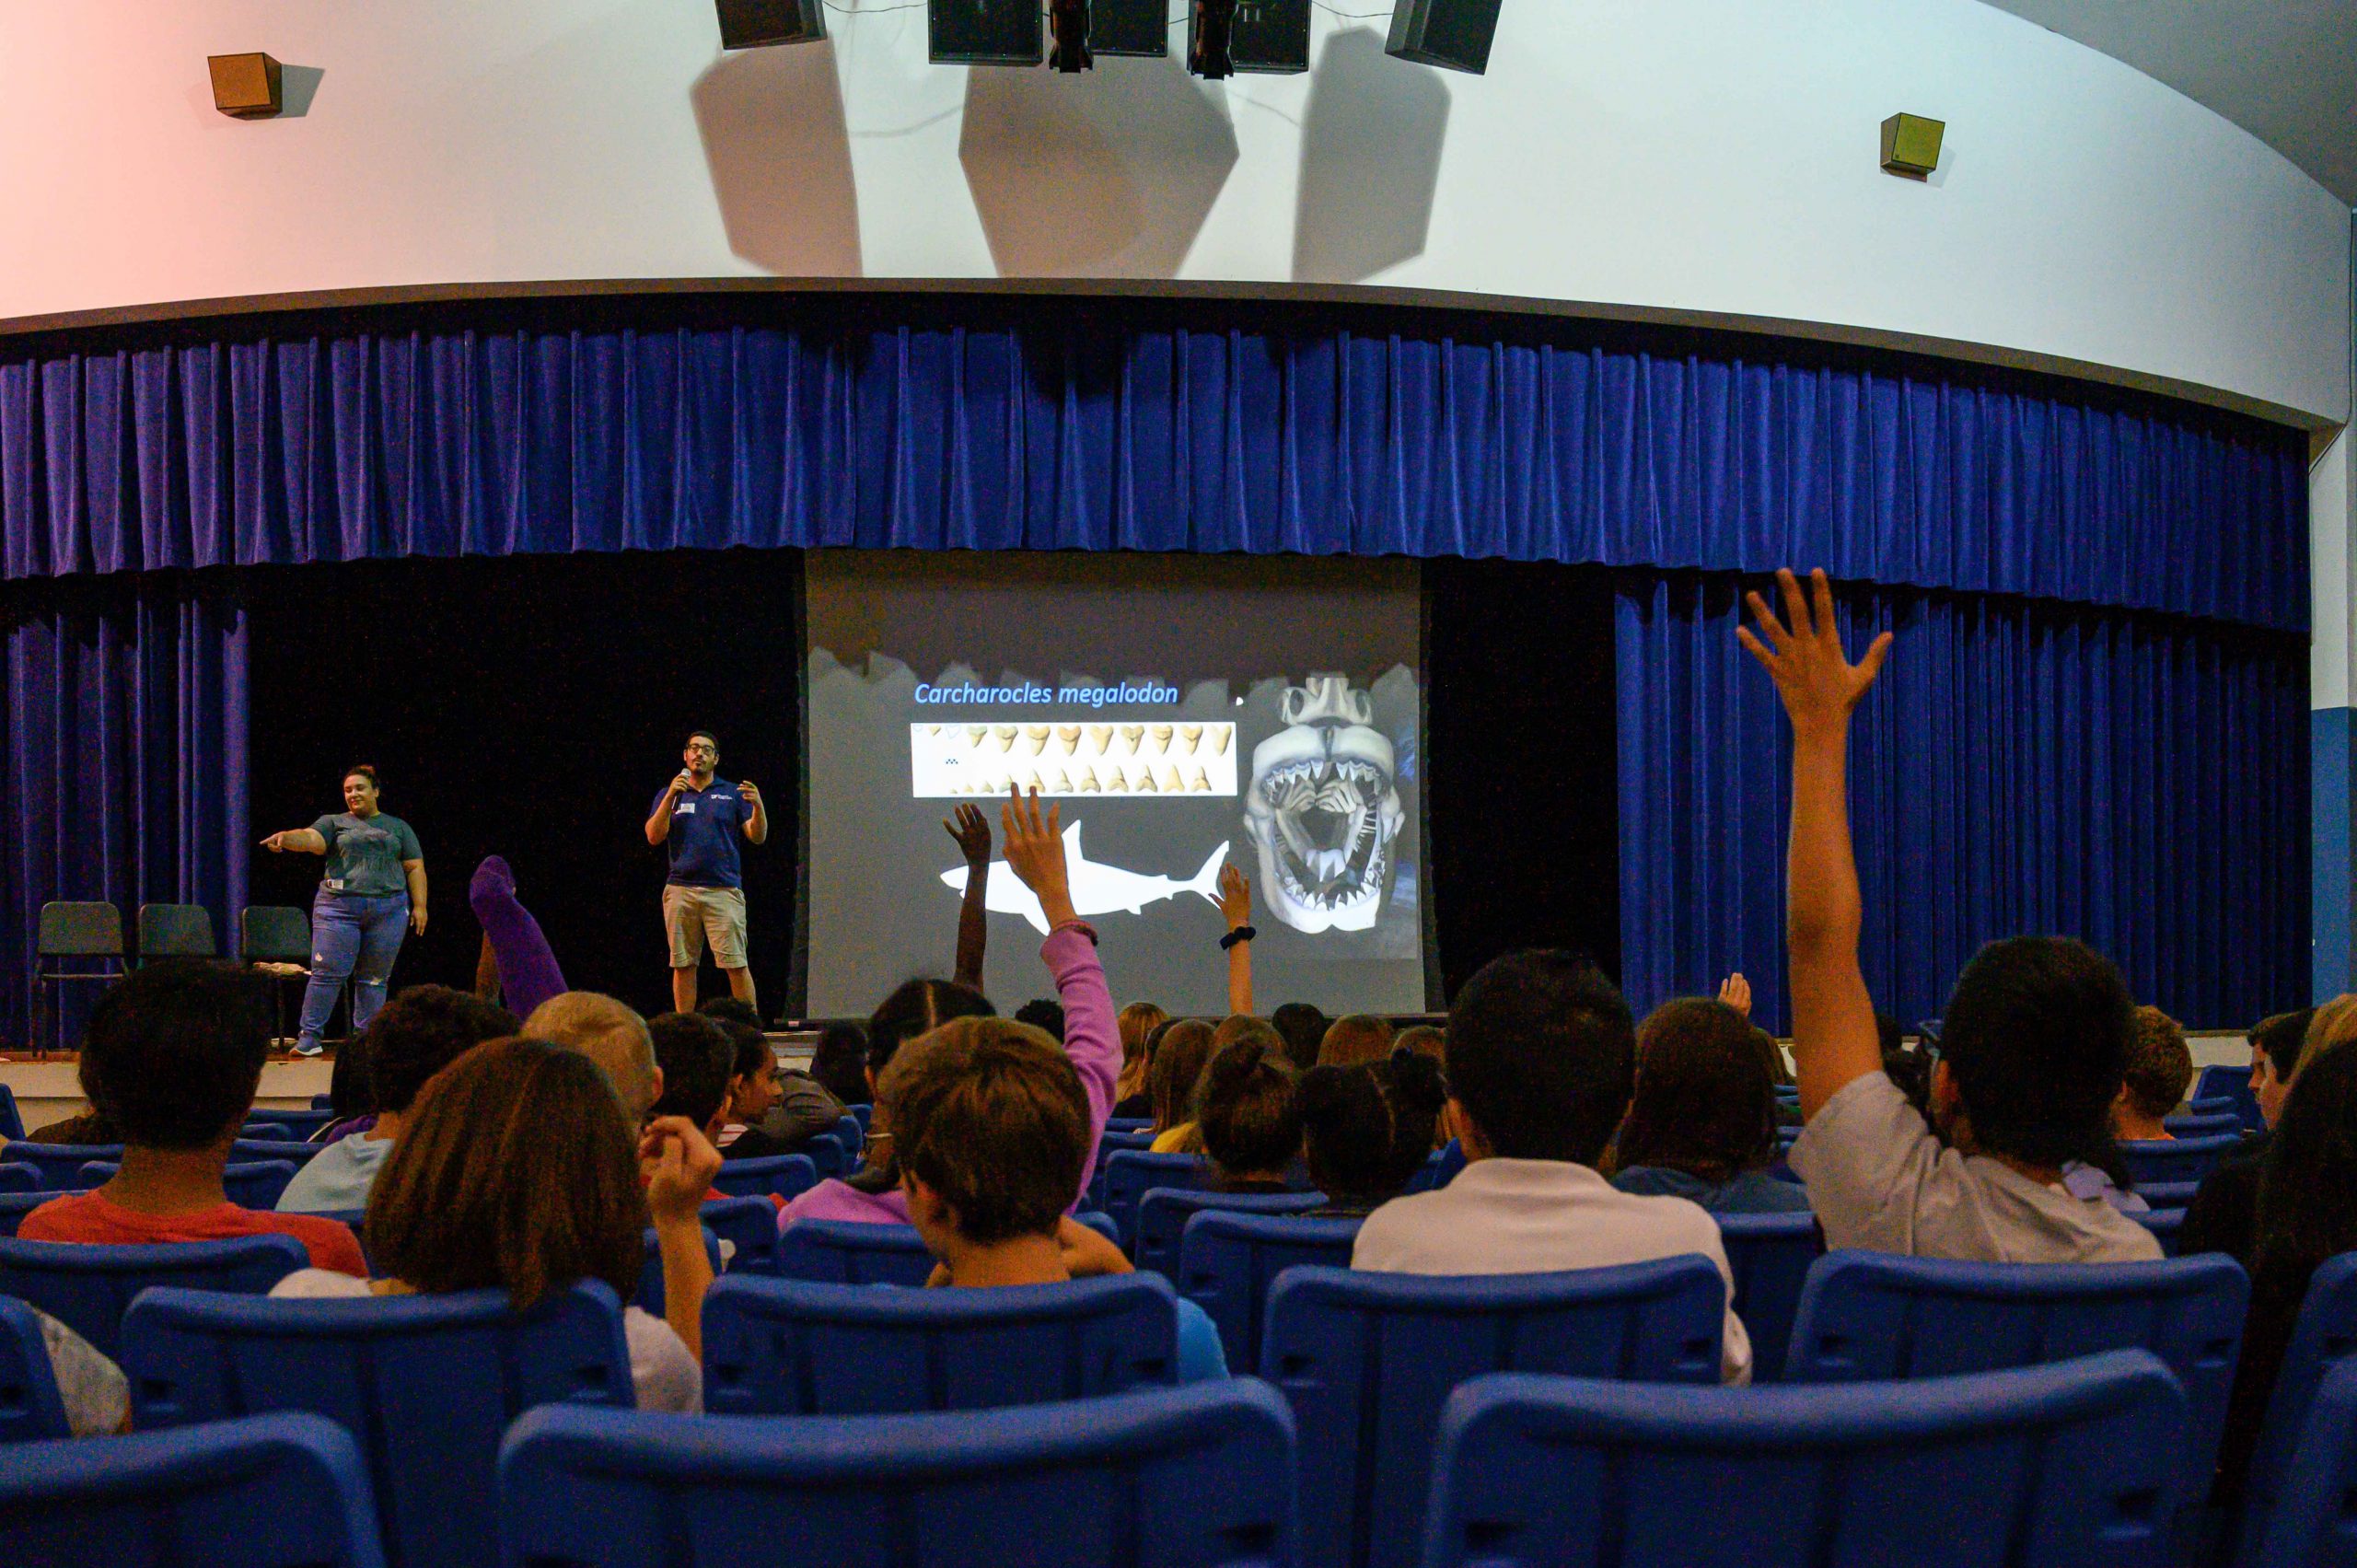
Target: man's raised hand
(1802, 652)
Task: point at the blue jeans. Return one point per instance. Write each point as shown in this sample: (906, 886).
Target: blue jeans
(353, 936)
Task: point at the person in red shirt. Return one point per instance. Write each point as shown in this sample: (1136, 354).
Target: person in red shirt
(173, 1056)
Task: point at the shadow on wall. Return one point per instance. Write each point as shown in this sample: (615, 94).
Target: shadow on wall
(1370, 159)
(1109, 174)
(775, 139)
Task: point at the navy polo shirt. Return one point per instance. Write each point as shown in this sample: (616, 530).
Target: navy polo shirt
(706, 826)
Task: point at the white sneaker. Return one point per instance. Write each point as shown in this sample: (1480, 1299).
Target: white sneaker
(314, 1048)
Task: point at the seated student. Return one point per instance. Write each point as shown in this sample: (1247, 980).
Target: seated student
(2031, 1048)
(1304, 1028)
(610, 1034)
(1360, 1037)
(770, 1109)
(88, 1129)
(1035, 852)
(2153, 1081)
(415, 1036)
(1426, 1040)
(1541, 1053)
(1139, 1020)
(2224, 1210)
(351, 1096)
(1046, 1017)
(1170, 1081)
(1249, 1117)
(995, 1135)
(694, 1056)
(727, 1010)
(457, 1209)
(1367, 1130)
(1702, 1125)
(173, 1055)
(838, 1063)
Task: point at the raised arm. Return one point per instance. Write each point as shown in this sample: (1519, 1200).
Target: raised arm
(973, 831)
(658, 822)
(1035, 852)
(678, 1164)
(1236, 908)
(296, 841)
(1834, 1039)
(757, 816)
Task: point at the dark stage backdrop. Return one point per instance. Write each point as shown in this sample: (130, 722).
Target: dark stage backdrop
(533, 707)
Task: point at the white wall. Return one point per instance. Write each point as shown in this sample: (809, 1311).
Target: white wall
(1713, 156)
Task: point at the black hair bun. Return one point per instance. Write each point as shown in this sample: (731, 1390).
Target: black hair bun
(1417, 1080)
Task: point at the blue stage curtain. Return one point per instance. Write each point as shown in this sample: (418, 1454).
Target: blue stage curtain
(1074, 425)
(124, 777)
(2139, 782)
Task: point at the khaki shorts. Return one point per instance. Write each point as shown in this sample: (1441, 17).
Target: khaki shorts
(691, 916)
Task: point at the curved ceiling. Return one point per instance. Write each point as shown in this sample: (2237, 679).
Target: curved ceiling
(2284, 70)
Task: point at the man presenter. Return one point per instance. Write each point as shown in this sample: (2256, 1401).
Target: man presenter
(699, 815)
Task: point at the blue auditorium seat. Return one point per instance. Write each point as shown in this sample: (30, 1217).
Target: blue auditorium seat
(1141, 1141)
(88, 1287)
(2176, 1159)
(1197, 1477)
(650, 1274)
(426, 1384)
(2051, 1466)
(1163, 1211)
(2316, 1524)
(1129, 1124)
(1100, 1222)
(2169, 1195)
(270, 1492)
(249, 1184)
(749, 1226)
(846, 1252)
(272, 1149)
(19, 1175)
(15, 1206)
(12, 1122)
(829, 1160)
(301, 1124)
(851, 1132)
(29, 1407)
(1770, 1256)
(2323, 1343)
(61, 1164)
(1867, 1316)
(788, 1176)
(1366, 1360)
(1130, 1174)
(1229, 1258)
(861, 1114)
(2204, 1124)
(788, 1347)
(1439, 1170)
(2230, 1083)
(2166, 1225)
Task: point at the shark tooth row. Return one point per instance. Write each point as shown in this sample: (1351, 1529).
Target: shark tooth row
(1101, 738)
(1115, 780)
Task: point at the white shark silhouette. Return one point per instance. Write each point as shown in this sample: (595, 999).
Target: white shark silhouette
(1095, 889)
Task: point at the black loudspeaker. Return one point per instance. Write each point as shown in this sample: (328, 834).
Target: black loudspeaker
(753, 24)
(1454, 34)
(984, 33)
(1270, 37)
(1133, 27)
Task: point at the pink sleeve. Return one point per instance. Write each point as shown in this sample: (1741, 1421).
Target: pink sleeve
(1092, 1032)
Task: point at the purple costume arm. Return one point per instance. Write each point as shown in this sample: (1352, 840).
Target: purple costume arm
(527, 968)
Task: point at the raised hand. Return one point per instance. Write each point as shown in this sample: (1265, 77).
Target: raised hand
(1035, 852)
(751, 794)
(1735, 991)
(1235, 897)
(678, 1162)
(1803, 653)
(973, 831)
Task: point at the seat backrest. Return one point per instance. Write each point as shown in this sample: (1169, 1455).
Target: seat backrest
(249, 1184)
(1229, 1258)
(2324, 1339)
(1198, 1477)
(2315, 1526)
(426, 1385)
(89, 1287)
(1163, 1211)
(2176, 1159)
(12, 1120)
(271, 1489)
(2229, 1083)
(61, 1164)
(1130, 1173)
(294, 1126)
(175, 931)
(749, 1226)
(1770, 1256)
(2166, 1226)
(274, 1149)
(273, 933)
(852, 1133)
(788, 1347)
(1875, 1316)
(788, 1176)
(15, 1206)
(650, 1273)
(2168, 1194)
(2200, 1124)
(1439, 1170)
(17, 1175)
(29, 1407)
(1367, 1361)
(70, 930)
(848, 1252)
(1140, 1140)
(2052, 1466)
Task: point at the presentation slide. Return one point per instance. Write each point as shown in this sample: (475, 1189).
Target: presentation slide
(1181, 712)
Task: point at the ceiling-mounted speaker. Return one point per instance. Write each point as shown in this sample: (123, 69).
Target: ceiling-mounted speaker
(1269, 37)
(1453, 34)
(245, 87)
(757, 24)
(1138, 29)
(984, 33)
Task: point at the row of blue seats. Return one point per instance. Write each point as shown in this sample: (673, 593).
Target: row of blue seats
(2065, 1464)
(1366, 1361)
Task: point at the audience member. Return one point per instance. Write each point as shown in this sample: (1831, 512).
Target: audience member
(1303, 1028)
(770, 1109)
(1186, 1136)
(2031, 1046)
(2153, 1080)
(996, 1133)
(695, 1057)
(725, 1010)
(839, 1062)
(1702, 1125)
(1046, 1017)
(610, 1034)
(351, 1094)
(2224, 1210)
(1426, 1040)
(1541, 1053)
(172, 1056)
(1250, 1121)
(1359, 1038)
(517, 1170)
(1367, 1130)
(1171, 1077)
(86, 1129)
(415, 1036)
(1139, 1021)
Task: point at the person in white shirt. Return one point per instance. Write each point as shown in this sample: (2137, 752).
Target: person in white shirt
(2032, 1046)
(1541, 1061)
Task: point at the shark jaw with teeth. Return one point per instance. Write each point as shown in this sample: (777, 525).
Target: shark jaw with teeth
(1324, 810)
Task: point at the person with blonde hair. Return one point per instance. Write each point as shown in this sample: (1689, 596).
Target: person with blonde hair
(1138, 1021)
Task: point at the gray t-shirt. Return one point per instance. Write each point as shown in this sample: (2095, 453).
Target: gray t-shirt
(93, 1390)
(365, 857)
(1880, 1180)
